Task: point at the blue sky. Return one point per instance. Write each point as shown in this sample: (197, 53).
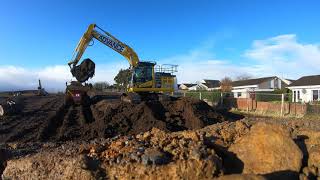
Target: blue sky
(206, 38)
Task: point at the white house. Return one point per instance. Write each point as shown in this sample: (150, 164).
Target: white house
(210, 85)
(186, 86)
(306, 89)
(242, 88)
(197, 87)
(191, 87)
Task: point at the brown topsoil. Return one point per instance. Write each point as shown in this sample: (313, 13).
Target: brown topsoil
(181, 138)
(47, 119)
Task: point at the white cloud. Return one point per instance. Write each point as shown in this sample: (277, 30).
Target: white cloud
(284, 55)
(13, 78)
(281, 55)
(53, 78)
(201, 64)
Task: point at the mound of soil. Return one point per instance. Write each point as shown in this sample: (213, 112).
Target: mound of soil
(205, 153)
(109, 119)
(47, 119)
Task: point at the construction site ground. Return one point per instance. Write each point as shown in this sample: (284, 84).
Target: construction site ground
(181, 138)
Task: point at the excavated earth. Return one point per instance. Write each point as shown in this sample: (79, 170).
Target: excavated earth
(46, 119)
(180, 138)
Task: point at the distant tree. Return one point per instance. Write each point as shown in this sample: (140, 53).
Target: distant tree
(122, 79)
(100, 86)
(226, 84)
(243, 77)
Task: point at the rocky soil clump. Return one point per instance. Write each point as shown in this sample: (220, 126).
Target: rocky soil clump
(263, 151)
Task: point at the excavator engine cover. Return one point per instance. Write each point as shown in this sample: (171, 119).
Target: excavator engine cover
(84, 71)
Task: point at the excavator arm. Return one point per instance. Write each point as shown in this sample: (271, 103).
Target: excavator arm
(107, 39)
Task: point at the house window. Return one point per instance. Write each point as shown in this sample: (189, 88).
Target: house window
(294, 96)
(315, 95)
(239, 94)
(298, 95)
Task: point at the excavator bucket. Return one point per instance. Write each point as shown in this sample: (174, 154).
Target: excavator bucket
(84, 71)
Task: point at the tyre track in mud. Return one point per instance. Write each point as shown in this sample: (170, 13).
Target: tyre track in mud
(44, 119)
(26, 126)
(59, 123)
(67, 124)
(71, 119)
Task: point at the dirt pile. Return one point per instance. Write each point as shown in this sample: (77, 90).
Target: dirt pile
(145, 141)
(45, 119)
(170, 116)
(108, 118)
(195, 154)
(242, 177)
(267, 148)
(54, 165)
(150, 155)
(309, 142)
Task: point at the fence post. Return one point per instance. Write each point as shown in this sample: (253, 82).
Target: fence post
(221, 95)
(247, 98)
(200, 95)
(282, 103)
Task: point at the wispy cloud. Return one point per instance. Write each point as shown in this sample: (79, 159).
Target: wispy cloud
(13, 78)
(202, 64)
(281, 55)
(284, 55)
(53, 78)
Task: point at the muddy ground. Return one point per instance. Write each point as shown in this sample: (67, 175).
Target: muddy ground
(46, 119)
(116, 140)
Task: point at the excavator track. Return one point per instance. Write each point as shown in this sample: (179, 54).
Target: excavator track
(136, 98)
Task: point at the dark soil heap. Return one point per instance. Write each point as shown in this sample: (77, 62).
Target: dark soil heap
(46, 119)
(176, 115)
(109, 119)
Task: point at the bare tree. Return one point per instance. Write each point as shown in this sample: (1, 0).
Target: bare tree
(100, 86)
(226, 84)
(243, 76)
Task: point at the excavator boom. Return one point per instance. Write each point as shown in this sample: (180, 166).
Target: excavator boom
(106, 38)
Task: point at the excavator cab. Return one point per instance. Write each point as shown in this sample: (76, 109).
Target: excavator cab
(143, 74)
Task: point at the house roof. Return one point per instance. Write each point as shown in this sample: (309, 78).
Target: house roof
(290, 80)
(307, 81)
(251, 81)
(286, 81)
(188, 84)
(211, 83)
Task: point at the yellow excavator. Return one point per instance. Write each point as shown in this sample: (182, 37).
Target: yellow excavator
(148, 80)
